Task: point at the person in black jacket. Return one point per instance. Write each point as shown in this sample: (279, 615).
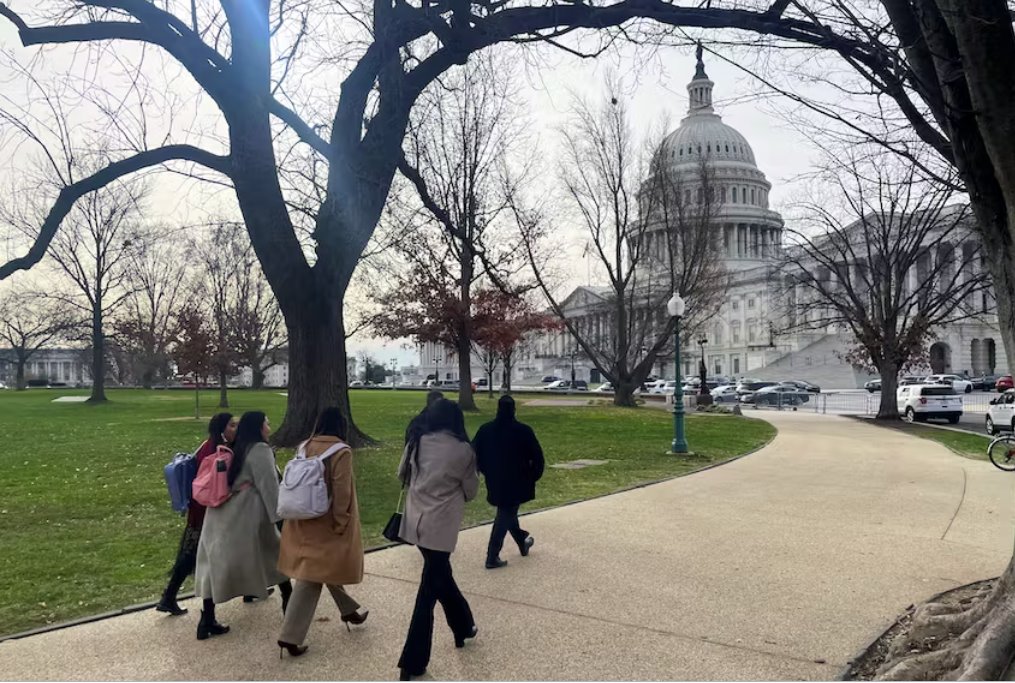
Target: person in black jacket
(511, 460)
(417, 426)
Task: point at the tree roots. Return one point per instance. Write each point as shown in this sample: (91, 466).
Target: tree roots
(968, 639)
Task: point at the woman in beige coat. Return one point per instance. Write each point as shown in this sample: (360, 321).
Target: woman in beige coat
(327, 550)
(439, 470)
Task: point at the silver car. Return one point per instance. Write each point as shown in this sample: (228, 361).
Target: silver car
(1001, 413)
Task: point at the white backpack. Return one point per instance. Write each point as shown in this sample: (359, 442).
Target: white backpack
(303, 491)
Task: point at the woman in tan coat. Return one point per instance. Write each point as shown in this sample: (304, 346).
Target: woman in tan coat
(327, 550)
(439, 469)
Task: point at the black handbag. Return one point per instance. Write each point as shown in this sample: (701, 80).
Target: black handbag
(394, 525)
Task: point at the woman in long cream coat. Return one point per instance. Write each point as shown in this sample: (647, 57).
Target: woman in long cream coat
(439, 470)
(327, 550)
(238, 551)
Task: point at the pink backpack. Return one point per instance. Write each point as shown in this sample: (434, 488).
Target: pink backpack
(211, 485)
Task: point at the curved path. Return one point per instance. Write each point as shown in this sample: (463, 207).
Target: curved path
(778, 566)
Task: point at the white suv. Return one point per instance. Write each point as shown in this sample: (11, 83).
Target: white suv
(919, 402)
(961, 386)
(1001, 413)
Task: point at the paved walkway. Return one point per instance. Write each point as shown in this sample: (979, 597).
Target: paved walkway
(778, 566)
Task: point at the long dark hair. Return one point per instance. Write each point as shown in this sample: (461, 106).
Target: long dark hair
(445, 415)
(331, 423)
(216, 425)
(248, 433)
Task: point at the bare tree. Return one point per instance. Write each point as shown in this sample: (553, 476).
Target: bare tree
(900, 265)
(645, 233)
(94, 252)
(159, 285)
(28, 322)
(461, 137)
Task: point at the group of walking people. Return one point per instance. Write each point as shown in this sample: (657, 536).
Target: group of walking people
(242, 549)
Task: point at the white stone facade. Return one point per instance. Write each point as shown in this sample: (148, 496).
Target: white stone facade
(743, 339)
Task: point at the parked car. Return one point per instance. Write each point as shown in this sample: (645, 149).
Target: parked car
(654, 386)
(567, 385)
(961, 386)
(1004, 383)
(355, 384)
(910, 381)
(777, 395)
(746, 387)
(803, 386)
(549, 379)
(604, 388)
(481, 382)
(983, 382)
(1001, 413)
(919, 402)
(873, 385)
(725, 394)
(664, 387)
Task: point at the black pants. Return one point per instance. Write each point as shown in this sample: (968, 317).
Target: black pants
(186, 562)
(505, 521)
(436, 585)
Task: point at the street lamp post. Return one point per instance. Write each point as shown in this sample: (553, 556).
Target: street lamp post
(436, 371)
(573, 354)
(394, 369)
(675, 307)
(703, 371)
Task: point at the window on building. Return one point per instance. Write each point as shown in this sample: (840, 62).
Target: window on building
(736, 304)
(736, 365)
(735, 331)
(752, 332)
(698, 195)
(752, 196)
(722, 195)
(734, 195)
(750, 303)
(687, 197)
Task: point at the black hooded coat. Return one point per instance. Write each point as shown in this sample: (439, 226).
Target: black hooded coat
(509, 457)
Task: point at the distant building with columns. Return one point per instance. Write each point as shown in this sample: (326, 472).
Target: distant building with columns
(744, 338)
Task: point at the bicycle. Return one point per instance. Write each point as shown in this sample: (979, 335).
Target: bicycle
(1001, 452)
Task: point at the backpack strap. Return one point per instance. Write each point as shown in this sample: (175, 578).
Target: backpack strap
(334, 449)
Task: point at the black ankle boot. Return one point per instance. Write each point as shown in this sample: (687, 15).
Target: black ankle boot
(208, 627)
(169, 606)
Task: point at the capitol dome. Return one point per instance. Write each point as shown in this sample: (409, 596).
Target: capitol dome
(702, 134)
(751, 231)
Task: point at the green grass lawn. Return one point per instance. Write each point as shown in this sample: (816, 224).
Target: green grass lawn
(966, 444)
(85, 522)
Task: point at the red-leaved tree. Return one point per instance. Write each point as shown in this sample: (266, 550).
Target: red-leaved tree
(501, 324)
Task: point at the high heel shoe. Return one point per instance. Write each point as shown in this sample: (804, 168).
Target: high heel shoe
(460, 641)
(293, 650)
(356, 617)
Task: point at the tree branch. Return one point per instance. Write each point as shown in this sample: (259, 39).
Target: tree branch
(114, 171)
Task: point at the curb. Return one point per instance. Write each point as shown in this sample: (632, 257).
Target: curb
(80, 621)
(844, 674)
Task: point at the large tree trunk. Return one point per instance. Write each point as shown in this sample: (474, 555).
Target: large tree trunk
(465, 398)
(317, 370)
(623, 394)
(20, 384)
(98, 394)
(223, 391)
(256, 377)
(508, 362)
(889, 409)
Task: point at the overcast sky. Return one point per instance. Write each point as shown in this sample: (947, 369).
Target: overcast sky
(655, 88)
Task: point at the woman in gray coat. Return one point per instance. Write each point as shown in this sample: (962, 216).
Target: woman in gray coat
(439, 469)
(238, 551)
